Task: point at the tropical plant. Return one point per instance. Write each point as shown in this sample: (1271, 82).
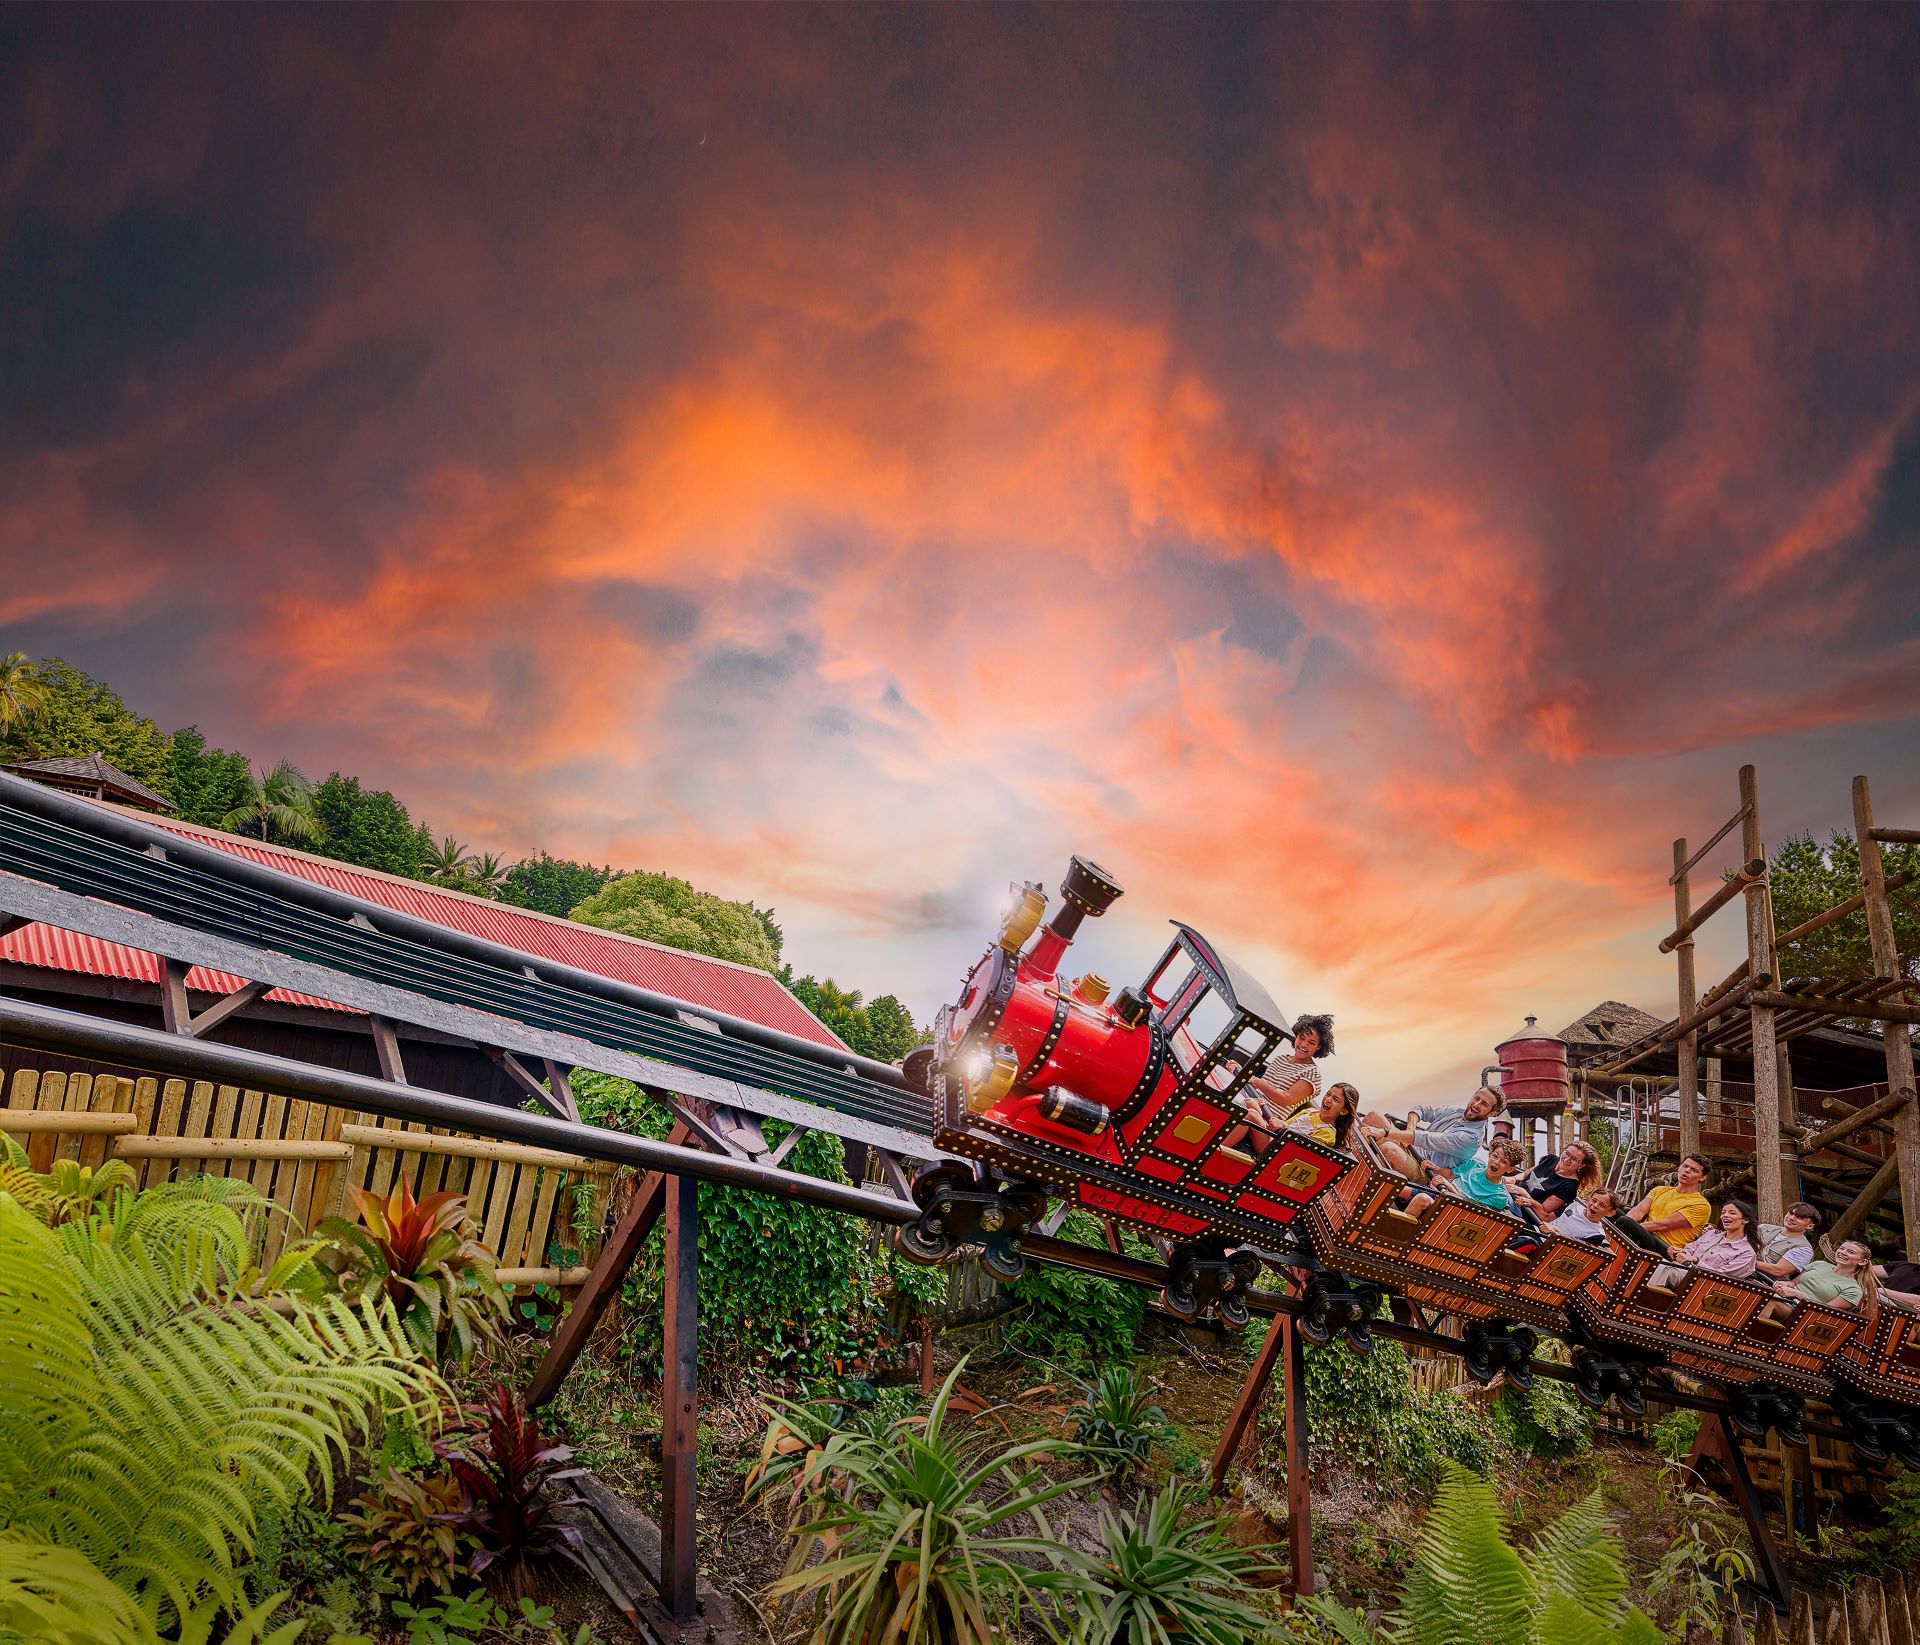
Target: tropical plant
(1695, 1579)
(278, 806)
(74, 1190)
(448, 863)
(77, 714)
(1161, 1581)
(503, 1464)
(407, 1527)
(1469, 1586)
(167, 1405)
(478, 1619)
(487, 874)
(1117, 1417)
(919, 1531)
(418, 1252)
(23, 694)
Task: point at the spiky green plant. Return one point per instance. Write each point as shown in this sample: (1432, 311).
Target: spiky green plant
(924, 1532)
(1470, 1586)
(278, 806)
(151, 1406)
(1117, 1416)
(1161, 1581)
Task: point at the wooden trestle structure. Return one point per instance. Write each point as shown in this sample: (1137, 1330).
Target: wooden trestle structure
(124, 879)
(1754, 1014)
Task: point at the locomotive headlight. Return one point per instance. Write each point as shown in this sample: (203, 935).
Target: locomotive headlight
(990, 1072)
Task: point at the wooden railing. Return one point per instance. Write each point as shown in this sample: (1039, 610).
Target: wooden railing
(1874, 1611)
(524, 1201)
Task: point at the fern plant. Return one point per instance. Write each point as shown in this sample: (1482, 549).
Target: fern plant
(922, 1532)
(1469, 1586)
(419, 1254)
(1161, 1580)
(151, 1406)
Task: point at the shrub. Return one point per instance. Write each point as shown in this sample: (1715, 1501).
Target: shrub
(1470, 1587)
(1161, 1581)
(786, 1289)
(1673, 1435)
(1116, 1416)
(407, 1527)
(503, 1465)
(1071, 1317)
(1546, 1421)
(921, 1532)
(166, 1404)
(417, 1253)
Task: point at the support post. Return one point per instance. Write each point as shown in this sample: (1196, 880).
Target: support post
(1253, 1393)
(1299, 1497)
(1789, 1124)
(602, 1286)
(1688, 1049)
(1715, 1444)
(176, 1015)
(1893, 1036)
(1766, 1088)
(679, 1400)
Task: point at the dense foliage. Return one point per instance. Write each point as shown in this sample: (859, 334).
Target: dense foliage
(1809, 878)
(786, 1289)
(553, 885)
(665, 909)
(370, 827)
(882, 1029)
(1072, 1317)
(205, 783)
(143, 1377)
(73, 713)
(1116, 1418)
(1163, 1577)
(505, 1466)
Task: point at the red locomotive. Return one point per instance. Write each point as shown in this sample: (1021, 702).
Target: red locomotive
(1125, 1104)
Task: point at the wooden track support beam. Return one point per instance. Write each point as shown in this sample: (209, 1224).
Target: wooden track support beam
(1688, 1050)
(1284, 1349)
(1898, 1043)
(1716, 1447)
(1771, 1203)
(680, 1401)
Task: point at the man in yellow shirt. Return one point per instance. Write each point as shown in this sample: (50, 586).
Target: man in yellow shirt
(1679, 1212)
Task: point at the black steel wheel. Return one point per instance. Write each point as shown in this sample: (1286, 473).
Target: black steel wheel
(1004, 1260)
(1314, 1323)
(1233, 1311)
(1246, 1265)
(1360, 1337)
(1632, 1401)
(1179, 1299)
(936, 1180)
(1478, 1360)
(1589, 1382)
(919, 1243)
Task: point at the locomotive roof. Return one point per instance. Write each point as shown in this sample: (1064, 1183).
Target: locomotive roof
(1243, 989)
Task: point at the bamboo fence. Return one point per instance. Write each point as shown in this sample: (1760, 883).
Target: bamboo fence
(525, 1203)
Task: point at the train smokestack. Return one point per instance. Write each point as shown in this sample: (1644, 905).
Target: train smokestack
(1087, 889)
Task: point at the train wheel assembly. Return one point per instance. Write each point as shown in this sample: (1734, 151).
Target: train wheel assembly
(1210, 1276)
(958, 1209)
(1496, 1346)
(1599, 1377)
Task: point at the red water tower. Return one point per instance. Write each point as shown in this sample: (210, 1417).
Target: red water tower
(1533, 1069)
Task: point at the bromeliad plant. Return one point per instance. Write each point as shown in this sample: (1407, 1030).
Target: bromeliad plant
(410, 1529)
(420, 1255)
(504, 1464)
(925, 1533)
(1161, 1581)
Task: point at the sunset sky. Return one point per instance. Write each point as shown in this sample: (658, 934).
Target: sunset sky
(1368, 476)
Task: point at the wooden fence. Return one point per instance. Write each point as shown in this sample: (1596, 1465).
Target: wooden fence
(303, 1155)
(1874, 1611)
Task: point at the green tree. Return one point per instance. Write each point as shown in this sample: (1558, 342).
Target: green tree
(448, 863)
(774, 934)
(663, 909)
(205, 783)
(368, 826)
(1808, 878)
(554, 885)
(78, 714)
(278, 806)
(22, 694)
(488, 874)
(884, 1030)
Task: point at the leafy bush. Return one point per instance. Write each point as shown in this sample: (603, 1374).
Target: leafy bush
(1160, 1581)
(1695, 1579)
(1116, 1416)
(1546, 1421)
(786, 1289)
(503, 1465)
(1470, 1587)
(168, 1406)
(407, 1528)
(1071, 1317)
(922, 1532)
(477, 1619)
(417, 1253)
(661, 908)
(1673, 1435)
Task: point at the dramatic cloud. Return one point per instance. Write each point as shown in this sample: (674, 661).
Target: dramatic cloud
(1368, 476)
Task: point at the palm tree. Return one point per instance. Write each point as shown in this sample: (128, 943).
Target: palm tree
(449, 863)
(23, 694)
(280, 803)
(487, 874)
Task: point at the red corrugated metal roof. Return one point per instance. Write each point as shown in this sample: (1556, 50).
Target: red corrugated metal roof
(718, 985)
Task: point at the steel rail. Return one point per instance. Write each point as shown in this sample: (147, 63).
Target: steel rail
(47, 1028)
(94, 852)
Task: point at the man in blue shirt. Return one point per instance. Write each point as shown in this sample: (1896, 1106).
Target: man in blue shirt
(1440, 1138)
